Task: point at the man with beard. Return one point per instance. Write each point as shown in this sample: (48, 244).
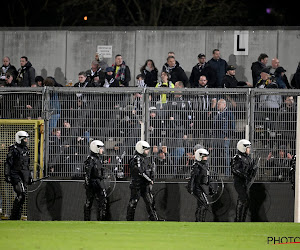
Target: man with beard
(26, 74)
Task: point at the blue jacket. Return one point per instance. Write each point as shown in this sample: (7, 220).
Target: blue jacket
(223, 124)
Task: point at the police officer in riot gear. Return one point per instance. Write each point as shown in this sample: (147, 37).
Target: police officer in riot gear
(93, 178)
(199, 183)
(242, 167)
(17, 172)
(142, 174)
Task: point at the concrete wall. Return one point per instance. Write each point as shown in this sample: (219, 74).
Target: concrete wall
(269, 202)
(63, 53)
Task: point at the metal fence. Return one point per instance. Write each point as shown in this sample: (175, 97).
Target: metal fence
(174, 121)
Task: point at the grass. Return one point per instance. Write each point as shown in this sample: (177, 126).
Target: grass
(143, 235)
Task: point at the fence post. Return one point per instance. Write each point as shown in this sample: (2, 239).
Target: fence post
(146, 114)
(251, 110)
(47, 115)
(297, 169)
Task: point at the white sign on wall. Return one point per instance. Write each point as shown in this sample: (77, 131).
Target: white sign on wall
(241, 41)
(105, 51)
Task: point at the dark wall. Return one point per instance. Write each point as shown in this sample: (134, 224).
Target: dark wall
(64, 201)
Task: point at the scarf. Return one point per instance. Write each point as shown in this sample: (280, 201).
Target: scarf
(120, 76)
(21, 73)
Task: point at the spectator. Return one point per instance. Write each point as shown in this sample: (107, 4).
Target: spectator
(264, 79)
(121, 73)
(54, 104)
(26, 74)
(286, 122)
(274, 65)
(280, 77)
(203, 105)
(9, 81)
(219, 65)
(140, 81)
(99, 58)
(171, 53)
(269, 105)
(258, 66)
(7, 68)
(165, 83)
(296, 78)
(83, 81)
(96, 75)
(33, 104)
(158, 129)
(229, 80)
(181, 124)
(221, 134)
(149, 71)
(39, 80)
(175, 71)
(279, 164)
(162, 164)
(109, 78)
(200, 69)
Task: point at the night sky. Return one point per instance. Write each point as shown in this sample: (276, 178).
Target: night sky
(43, 13)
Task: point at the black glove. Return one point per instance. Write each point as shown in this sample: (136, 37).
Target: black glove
(30, 179)
(212, 191)
(7, 178)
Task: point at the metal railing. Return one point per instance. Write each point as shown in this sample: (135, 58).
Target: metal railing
(173, 121)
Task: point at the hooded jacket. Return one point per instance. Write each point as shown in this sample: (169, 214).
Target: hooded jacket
(26, 75)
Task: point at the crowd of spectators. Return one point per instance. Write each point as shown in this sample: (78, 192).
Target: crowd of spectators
(173, 118)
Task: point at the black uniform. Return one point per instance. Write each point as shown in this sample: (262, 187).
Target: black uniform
(244, 170)
(142, 174)
(94, 176)
(199, 186)
(17, 173)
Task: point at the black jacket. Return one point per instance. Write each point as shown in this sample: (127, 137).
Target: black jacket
(231, 82)
(91, 75)
(200, 178)
(150, 77)
(9, 69)
(17, 158)
(26, 75)
(242, 166)
(176, 74)
(205, 70)
(296, 79)
(117, 83)
(17, 163)
(85, 84)
(94, 167)
(256, 70)
(141, 170)
(220, 67)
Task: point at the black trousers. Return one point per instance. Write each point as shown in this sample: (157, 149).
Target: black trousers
(202, 205)
(137, 192)
(242, 188)
(19, 180)
(95, 192)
